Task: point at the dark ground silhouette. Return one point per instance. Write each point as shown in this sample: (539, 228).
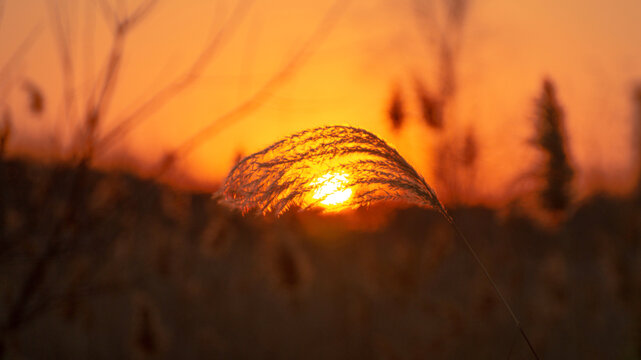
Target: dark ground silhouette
(145, 271)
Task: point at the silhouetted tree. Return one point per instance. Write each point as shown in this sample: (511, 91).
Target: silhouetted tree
(550, 137)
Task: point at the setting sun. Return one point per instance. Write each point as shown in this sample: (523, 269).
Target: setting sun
(330, 189)
(282, 178)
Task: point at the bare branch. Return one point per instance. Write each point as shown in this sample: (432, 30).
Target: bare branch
(99, 100)
(108, 13)
(141, 12)
(88, 32)
(163, 96)
(101, 97)
(265, 92)
(1, 11)
(63, 38)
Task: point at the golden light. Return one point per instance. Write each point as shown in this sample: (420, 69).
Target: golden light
(334, 167)
(331, 189)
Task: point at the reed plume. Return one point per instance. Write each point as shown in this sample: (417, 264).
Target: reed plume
(343, 159)
(312, 167)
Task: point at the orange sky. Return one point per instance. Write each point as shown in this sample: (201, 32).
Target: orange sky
(587, 47)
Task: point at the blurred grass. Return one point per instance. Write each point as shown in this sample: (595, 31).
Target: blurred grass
(151, 272)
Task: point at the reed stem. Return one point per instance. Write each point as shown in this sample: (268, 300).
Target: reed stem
(489, 278)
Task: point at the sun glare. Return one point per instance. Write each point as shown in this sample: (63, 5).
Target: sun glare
(330, 189)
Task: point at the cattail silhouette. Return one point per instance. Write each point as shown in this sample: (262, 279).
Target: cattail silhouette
(470, 150)
(431, 107)
(145, 337)
(396, 110)
(149, 336)
(469, 160)
(287, 268)
(551, 138)
(5, 131)
(36, 98)
(313, 166)
(5, 135)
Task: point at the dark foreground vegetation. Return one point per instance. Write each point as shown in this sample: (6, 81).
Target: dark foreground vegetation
(127, 268)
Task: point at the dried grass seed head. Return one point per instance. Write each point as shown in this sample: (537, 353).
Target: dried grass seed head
(309, 168)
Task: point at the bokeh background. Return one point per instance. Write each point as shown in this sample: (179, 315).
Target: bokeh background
(119, 119)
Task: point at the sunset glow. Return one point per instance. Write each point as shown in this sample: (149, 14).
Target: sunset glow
(280, 178)
(331, 190)
(190, 88)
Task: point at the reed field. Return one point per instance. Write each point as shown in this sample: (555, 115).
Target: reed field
(160, 273)
(328, 179)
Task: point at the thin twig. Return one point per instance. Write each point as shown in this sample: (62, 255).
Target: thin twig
(102, 94)
(16, 57)
(141, 12)
(108, 12)
(64, 48)
(150, 106)
(517, 323)
(2, 4)
(263, 94)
